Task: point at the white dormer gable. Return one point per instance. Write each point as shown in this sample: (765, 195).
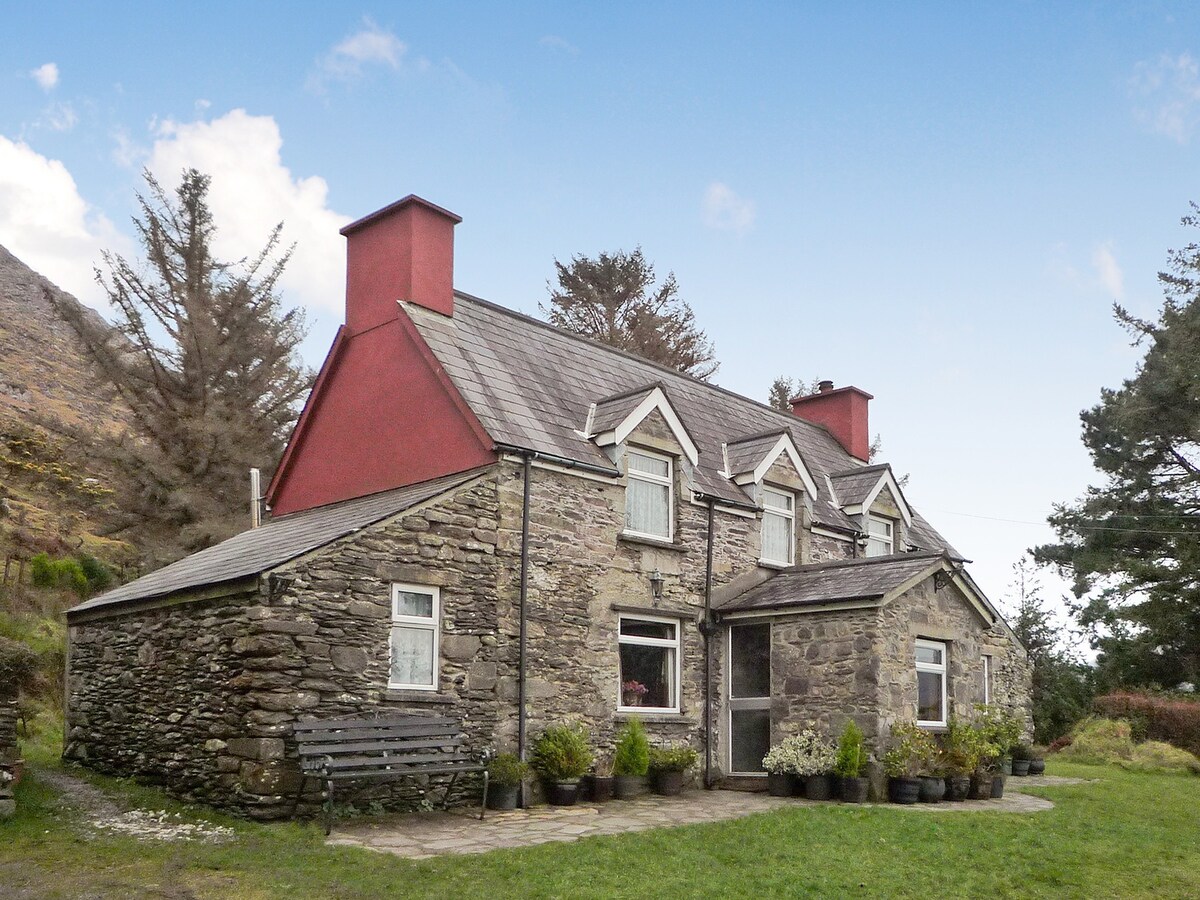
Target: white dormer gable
(869, 482)
(748, 460)
(612, 420)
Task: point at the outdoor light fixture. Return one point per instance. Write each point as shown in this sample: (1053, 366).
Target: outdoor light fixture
(656, 584)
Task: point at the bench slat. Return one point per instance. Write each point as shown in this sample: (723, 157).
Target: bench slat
(395, 745)
(371, 722)
(366, 734)
(343, 775)
(407, 759)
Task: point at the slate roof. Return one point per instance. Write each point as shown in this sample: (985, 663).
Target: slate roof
(531, 386)
(279, 540)
(831, 582)
(612, 411)
(745, 454)
(853, 487)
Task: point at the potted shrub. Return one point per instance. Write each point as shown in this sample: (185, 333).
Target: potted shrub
(631, 761)
(852, 758)
(505, 774)
(561, 756)
(1001, 730)
(1037, 761)
(667, 765)
(602, 781)
(961, 753)
(932, 767)
(902, 763)
(780, 763)
(815, 759)
(1022, 755)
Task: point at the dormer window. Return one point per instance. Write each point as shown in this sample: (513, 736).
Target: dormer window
(778, 526)
(648, 495)
(879, 536)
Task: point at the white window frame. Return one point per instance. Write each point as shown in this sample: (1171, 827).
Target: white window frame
(789, 515)
(736, 704)
(878, 539)
(676, 645)
(936, 669)
(417, 623)
(987, 679)
(669, 481)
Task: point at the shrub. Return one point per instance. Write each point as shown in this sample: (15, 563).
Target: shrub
(632, 756)
(18, 664)
(1021, 750)
(1060, 743)
(913, 752)
(41, 571)
(852, 753)
(1157, 756)
(999, 728)
(672, 759)
(562, 753)
(967, 747)
(45, 572)
(507, 770)
(98, 575)
(1155, 717)
(1101, 740)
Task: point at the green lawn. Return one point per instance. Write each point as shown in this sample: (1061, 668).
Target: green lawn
(1131, 835)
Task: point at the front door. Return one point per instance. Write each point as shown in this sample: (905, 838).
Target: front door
(749, 697)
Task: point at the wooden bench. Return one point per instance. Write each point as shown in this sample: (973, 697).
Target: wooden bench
(384, 747)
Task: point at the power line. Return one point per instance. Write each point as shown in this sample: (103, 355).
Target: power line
(946, 512)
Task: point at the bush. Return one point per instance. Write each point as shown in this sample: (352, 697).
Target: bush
(41, 571)
(632, 756)
(1157, 756)
(562, 753)
(1101, 740)
(507, 770)
(913, 752)
(68, 574)
(98, 575)
(1155, 717)
(852, 756)
(672, 759)
(18, 664)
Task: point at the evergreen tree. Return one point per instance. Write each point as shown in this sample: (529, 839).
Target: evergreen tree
(1133, 545)
(204, 356)
(613, 299)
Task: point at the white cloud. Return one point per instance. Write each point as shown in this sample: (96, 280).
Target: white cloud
(346, 61)
(126, 152)
(554, 42)
(1112, 279)
(58, 117)
(251, 192)
(48, 225)
(1168, 89)
(46, 76)
(723, 209)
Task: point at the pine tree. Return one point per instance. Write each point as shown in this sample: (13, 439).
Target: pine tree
(613, 299)
(1133, 545)
(204, 356)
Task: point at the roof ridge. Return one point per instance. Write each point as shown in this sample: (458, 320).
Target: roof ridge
(866, 560)
(859, 470)
(504, 310)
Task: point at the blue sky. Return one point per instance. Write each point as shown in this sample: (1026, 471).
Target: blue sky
(936, 202)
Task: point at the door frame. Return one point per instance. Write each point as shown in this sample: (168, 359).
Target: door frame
(749, 702)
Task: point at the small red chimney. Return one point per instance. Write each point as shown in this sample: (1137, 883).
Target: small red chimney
(843, 411)
(402, 252)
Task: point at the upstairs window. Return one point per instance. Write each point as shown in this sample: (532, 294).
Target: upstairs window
(931, 683)
(879, 536)
(648, 496)
(414, 637)
(778, 526)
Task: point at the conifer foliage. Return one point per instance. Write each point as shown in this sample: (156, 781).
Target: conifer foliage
(205, 357)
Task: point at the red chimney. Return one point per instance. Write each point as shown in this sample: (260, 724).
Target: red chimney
(843, 411)
(402, 252)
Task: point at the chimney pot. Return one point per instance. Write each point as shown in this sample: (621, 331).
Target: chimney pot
(404, 251)
(825, 386)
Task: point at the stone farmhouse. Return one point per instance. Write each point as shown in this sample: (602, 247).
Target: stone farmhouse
(483, 516)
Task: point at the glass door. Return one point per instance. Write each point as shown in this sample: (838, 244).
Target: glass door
(749, 697)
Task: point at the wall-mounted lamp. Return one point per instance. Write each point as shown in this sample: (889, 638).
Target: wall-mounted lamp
(656, 584)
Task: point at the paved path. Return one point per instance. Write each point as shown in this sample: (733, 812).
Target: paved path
(422, 835)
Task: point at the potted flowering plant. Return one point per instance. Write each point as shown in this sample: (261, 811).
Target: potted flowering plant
(632, 692)
(815, 759)
(780, 763)
(602, 780)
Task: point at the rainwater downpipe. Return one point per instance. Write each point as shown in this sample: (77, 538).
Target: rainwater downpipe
(707, 629)
(526, 469)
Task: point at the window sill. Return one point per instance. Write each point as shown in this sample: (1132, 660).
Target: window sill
(777, 566)
(662, 543)
(663, 718)
(934, 727)
(405, 695)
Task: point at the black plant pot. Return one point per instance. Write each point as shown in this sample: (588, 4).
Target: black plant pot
(997, 786)
(1006, 765)
(1037, 766)
(779, 784)
(1021, 767)
(669, 784)
(958, 787)
(981, 787)
(503, 796)
(818, 787)
(854, 790)
(629, 787)
(933, 788)
(904, 790)
(602, 788)
(562, 793)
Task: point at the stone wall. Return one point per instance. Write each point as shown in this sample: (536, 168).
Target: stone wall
(8, 731)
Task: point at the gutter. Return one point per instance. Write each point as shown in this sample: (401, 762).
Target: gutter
(563, 461)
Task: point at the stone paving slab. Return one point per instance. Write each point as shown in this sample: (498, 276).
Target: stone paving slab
(424, 835)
